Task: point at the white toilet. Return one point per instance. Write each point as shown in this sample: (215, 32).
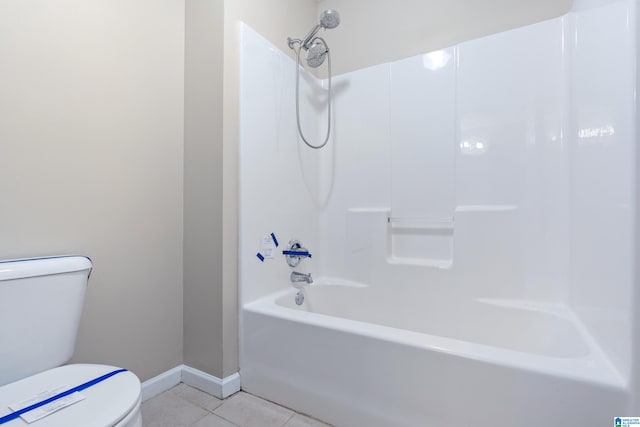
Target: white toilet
(40, 307)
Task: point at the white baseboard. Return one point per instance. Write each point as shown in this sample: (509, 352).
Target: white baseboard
(161, 383)
(220, 388)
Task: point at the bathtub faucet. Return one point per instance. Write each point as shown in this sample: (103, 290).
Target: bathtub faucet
(301, 277)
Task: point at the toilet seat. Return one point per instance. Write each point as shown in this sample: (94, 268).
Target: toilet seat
(112, 402)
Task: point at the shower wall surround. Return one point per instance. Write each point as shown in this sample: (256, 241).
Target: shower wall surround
(502, 168)
(278, 177)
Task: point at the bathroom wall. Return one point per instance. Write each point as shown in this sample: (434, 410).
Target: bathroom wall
(203, 255)
(279, 175)
(396, 39)
(635, 320)
(450, 171)
(91, 124)
(379, 31)
(275, 20)
(603, 175)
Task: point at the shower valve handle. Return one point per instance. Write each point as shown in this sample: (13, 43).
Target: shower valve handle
(295, 252)
(305, 254)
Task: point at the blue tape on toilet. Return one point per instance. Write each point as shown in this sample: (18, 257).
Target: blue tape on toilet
(12, 416)
(273, 236)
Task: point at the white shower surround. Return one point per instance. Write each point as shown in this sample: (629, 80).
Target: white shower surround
(505, 291)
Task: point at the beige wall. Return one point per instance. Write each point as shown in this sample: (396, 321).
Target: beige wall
(203, 292)
(377, 31)
(91, 111)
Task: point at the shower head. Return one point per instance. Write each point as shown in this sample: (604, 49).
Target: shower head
(328, 19)
(316, 54)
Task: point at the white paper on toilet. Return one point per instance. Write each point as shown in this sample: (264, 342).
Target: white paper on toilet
(49, 408)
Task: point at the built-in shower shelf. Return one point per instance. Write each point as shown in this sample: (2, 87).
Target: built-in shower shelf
(444, 264)
(420, 241)
(486, 208)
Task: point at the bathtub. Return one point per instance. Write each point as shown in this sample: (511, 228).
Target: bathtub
(355, 356)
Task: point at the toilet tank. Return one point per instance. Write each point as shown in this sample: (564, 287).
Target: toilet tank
(41, 303)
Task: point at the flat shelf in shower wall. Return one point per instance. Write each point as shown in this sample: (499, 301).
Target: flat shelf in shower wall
(421, 223)
(444, 264)
(486, 208)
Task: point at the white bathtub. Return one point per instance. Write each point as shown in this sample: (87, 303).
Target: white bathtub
(357, 357)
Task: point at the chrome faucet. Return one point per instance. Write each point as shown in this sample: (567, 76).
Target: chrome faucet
(301, 277)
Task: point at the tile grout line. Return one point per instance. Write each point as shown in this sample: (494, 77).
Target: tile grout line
(217, 416)
(198, 420)
(227, 420)
(220, 416)
(289, 419)
(209, 411)
(174, 394)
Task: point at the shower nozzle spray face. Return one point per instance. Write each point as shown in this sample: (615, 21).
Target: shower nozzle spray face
(329, 19)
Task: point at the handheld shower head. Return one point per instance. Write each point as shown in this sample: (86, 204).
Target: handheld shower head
(316, 54)
(328, 19)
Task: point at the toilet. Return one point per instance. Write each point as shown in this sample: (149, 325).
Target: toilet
(41, 303)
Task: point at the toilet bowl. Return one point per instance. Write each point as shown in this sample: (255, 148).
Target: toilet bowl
(112, 402)
(41, 302)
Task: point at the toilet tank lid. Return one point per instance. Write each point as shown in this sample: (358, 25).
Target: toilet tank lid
(31, 267)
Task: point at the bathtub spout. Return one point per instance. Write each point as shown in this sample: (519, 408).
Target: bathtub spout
(301, 277)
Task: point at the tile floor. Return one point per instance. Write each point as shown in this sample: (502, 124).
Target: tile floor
(185, 406)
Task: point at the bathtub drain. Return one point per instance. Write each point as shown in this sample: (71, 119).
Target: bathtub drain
(299, 298)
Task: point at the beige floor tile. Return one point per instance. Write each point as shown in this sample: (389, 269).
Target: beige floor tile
(213, 420)
(196, 397)
(246, 410)
(299, 420)
(169, 410)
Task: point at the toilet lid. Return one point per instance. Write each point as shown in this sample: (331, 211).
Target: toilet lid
(106, 403)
